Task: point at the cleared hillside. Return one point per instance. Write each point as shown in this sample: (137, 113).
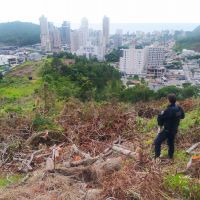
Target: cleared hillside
(56, 146)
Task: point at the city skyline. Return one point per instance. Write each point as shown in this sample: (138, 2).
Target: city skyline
(128, 11)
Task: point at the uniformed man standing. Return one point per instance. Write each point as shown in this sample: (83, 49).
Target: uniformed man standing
(169, 119)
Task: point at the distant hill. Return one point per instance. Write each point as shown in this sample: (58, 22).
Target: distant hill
(197, 30)
(19, 33)
(191, 40)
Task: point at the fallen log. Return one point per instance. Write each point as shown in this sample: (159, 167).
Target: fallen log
(92, 173)
(30, 140)
(123, 151)
(47, 137)
(193, 166)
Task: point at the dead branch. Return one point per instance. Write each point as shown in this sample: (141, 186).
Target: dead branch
(3, 159)
(30, 140)
(78, 151)
(26, 163)
(190, 150)
(123, 151)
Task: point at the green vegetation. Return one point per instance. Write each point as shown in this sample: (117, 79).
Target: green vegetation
(114, 55)
(19, 33)
(54, 82)
(17, 92)
(183, 185)
(181, 93)
(146, 126)
(174, 65)
(189, 41)
(191, 119)
(137, 93)
(86, 79)
(42, 123)
(143, 93)
(16, 88)
(5, 181)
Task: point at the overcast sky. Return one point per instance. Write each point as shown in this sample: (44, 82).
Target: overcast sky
(119, 11)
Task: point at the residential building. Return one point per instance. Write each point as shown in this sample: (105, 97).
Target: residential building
(65, 33)
(74, 41)
(154, 61)
(95, 37)
(44, 35)
(83, 32)
(54, 38)
(88, 51)
(118, 39)
(106, 29)
(132, 61)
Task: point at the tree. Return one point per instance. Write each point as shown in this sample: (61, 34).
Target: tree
(86, 79)
(163, 92)
(1, 76)
(114, 55)
(189, 91)
(137, 93)
(136, 77)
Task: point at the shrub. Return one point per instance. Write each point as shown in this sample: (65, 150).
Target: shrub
(184, 186)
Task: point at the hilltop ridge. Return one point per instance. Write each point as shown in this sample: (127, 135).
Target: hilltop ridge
(19, 33)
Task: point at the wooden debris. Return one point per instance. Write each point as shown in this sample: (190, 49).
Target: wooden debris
(124, 151)
(190, 150)
(26, 163)
(50, 165)
(85, 162)
(30, 140)
(193, 166)
(76, 150)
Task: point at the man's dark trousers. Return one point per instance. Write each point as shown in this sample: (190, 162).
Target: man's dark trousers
(162, 136)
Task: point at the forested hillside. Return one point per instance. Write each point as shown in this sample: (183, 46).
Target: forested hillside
(19, 33)
(189, 41)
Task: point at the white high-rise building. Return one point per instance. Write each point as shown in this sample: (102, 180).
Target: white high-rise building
(118, 38)
(75, 44)
(55, 38)
(154, 61)
(65, 33)
(132, 61)
(106, 29)
(84, 32)
(95, 37)
(44, 34)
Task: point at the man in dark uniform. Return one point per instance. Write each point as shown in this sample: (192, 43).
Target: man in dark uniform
(169, 119)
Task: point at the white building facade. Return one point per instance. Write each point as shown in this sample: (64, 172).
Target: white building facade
(84, 32)
(75, 44)
(132, 62)
(106, 29)
(44, 34)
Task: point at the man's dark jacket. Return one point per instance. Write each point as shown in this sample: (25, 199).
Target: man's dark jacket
(170, 118)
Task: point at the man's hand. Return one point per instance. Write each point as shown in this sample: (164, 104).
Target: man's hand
(159, 129)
